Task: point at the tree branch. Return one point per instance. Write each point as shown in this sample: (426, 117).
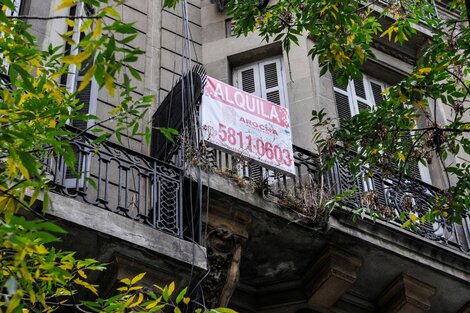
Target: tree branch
(46, 18)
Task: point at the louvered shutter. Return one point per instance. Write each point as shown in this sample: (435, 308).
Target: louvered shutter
(359, 88)
(265, 80)
(376, 92)
(247, 79)
(413, 168)
(84, 98)
(379, 187)
(337, 84)
(271, 81)
(342, 105)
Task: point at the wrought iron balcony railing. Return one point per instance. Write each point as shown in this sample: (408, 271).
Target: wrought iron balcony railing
(388, 196)
(122, 181)
(392, 197)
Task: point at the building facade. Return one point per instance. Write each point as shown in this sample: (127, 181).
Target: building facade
(232, 230)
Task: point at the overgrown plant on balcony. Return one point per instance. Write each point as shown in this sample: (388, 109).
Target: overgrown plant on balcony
(35, 109)
(312, 203)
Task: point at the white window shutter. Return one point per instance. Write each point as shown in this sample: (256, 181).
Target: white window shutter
(246, 78)
(342, 106)
(342, 100)
(264, 79)
(377, 89)
(272, 81)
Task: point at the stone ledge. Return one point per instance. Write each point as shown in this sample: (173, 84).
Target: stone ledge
(126, 229)
(403, 242)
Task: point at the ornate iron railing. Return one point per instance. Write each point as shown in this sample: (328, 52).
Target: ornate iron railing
(122, 181)
(394, 197)
(389, 197)
(273, 183)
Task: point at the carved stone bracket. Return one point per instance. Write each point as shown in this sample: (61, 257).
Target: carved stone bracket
(331, 276)
(224, 254)
(406, 295)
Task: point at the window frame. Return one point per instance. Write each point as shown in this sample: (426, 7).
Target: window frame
(353, 98)
(354, 108)
(74, 76)
(260, 79)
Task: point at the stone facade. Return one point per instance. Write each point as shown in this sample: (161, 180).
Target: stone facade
(257, 256)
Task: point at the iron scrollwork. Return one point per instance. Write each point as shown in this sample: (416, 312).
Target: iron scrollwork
(124, 181)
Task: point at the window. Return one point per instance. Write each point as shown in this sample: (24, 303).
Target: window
(357, 94)
(88, 97)
(363, 93)
(18, 11)
(264, 79)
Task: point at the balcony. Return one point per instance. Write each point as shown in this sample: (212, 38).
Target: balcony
(377, 197)
(122, 181)
(150, 192)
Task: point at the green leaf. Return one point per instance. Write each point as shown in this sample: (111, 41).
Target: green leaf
(137, 278)
(224, 310)
(45, 202)
(25, 76)
(170, 3)
(148, 135)
(169, 133)
(9, 4)
(181, 295)
(48, 226)
(165, 294)
(156, 308)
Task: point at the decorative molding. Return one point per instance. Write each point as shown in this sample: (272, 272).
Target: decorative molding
(224, 254)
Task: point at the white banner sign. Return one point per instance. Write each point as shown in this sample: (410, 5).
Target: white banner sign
(240, 122)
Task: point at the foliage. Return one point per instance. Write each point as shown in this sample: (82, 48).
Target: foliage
(134, 298)
(35, 109)
(404, 126)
